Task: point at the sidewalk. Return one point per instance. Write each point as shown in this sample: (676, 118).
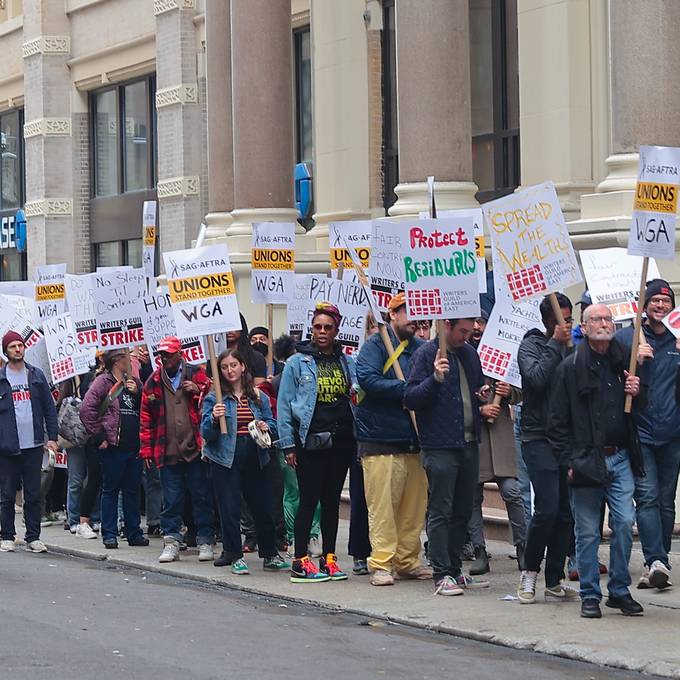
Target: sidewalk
(649, 644)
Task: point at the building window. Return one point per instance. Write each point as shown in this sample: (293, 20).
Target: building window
(494, 75)
(118, 253)
(304, 149)
(389, 99)
(123, 125)
(12, 149)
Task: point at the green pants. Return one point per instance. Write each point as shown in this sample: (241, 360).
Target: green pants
(291, 500)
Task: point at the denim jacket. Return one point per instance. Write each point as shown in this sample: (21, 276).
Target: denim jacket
(220, 448)
(297, 397)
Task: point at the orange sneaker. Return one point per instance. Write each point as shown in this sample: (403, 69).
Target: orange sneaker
(329, 565)
(304, 570)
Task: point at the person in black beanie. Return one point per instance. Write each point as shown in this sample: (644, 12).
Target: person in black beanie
(659, 428)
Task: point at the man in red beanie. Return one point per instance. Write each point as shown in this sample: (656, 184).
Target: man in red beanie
(27, 411)
(170, 437)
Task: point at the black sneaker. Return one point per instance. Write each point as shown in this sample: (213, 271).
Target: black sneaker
(627, 605)
(154, 530)
(590, 608)
(110, 543)
(223, 560)
(138, 541)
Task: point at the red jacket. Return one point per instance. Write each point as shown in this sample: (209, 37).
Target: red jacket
(152, 415)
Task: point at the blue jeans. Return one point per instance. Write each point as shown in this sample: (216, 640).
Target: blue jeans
(175, 481)
(77, 473)
(586, 504)
(550, 527)
(655, 499)
(152, 495)
(522, 472)
(121, 473)
(452, 477)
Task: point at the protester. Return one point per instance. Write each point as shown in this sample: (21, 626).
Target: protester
(237, 462)
(549, 531)
(255, 362)
(444, 393)
(479, 328)
(28, 413)
(371, 326)
(585, 302)
(259, 338)
(659, 427)
(316, 434)
(394, 479)
(589, 429)
(497, 463)
(110, 412)
(171, 440)
(424, 329)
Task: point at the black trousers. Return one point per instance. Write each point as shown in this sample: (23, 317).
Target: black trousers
(359, 546)
(321, 475)
(24, 469)
(93, 482)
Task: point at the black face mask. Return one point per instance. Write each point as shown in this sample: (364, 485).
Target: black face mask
(261, 347)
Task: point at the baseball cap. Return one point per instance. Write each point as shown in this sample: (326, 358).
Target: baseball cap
(398, 300)
(170, 344)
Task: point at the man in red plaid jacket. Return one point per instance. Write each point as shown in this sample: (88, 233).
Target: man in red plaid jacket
(170, 437)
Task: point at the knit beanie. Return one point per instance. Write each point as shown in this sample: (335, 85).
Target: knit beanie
(654, 287)
(8, 338)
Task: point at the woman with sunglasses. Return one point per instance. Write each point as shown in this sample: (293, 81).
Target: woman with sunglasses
(237, 462)
(316, 423)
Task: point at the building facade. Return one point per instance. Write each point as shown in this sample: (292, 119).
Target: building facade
(208, 105)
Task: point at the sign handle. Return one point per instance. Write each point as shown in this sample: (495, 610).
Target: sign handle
(270, 339)
(637, 333)
(557, 311)
(497, 399)
(216, 379)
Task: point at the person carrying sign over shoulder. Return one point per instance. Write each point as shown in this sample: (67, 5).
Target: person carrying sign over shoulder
(549, 531)
(394, 479)
(316, 421)
(659, 427)
(599, 442)
(170, 439)
(27, 411)
(444, 392)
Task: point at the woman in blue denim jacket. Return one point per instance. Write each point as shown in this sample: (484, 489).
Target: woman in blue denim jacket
(237, 462)
(316, 433)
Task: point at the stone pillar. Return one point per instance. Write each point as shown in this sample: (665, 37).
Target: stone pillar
(220, 136)
(644, 46)
(341, 114)
(433, 93)
(563, 83)
(262, 90)
(48, 134)
(180, 147)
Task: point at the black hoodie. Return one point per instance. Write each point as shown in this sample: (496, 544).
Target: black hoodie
(332, 412)
(538, 358)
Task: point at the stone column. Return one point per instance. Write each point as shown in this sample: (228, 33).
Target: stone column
(644, 55)
(180, 145)
(220, 136)
(341, 114)
(433, 93)
(262, 90)
(48, 134)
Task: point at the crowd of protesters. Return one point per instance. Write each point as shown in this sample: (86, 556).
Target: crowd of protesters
(256, 457)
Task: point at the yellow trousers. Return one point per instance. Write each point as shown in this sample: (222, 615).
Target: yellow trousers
(396, 496)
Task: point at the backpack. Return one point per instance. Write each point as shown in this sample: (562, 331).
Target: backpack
(70, 426)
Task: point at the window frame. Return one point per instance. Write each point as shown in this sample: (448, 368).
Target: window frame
(298, 33)
(21, 159)
(390, 137)
(151, 136)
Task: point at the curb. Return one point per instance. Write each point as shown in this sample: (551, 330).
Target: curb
(565, 651)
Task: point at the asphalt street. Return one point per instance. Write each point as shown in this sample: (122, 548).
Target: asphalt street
(66, 618)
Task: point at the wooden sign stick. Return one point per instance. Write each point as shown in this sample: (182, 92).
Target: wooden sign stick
(216, 379)
(632, 366)
(270, 339)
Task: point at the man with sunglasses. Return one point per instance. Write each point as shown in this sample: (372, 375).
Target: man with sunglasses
(170, 437)
(659, 428)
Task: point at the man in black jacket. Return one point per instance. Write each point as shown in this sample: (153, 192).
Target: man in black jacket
(444, 393)
(27, 413)
(550, 528)
(590, 431)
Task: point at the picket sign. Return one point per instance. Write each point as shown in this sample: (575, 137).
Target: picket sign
(67, 358)
(149, 235)
(50, 295)
(652, 228)
(347, 240)
(82, 307)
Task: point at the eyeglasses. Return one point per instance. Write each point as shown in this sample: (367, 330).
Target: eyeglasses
(664, 301)
(600, 319)
(328, 327)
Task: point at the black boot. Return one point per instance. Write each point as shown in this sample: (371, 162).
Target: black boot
(481, 564)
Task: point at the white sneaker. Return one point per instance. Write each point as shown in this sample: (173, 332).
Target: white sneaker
(85, 531)
(96, 527)
(170, 550)
(526, 592)
(7, 546)
(659, 575)
(37, 546)
(206, 552)
(73, 528)
(314, 548)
